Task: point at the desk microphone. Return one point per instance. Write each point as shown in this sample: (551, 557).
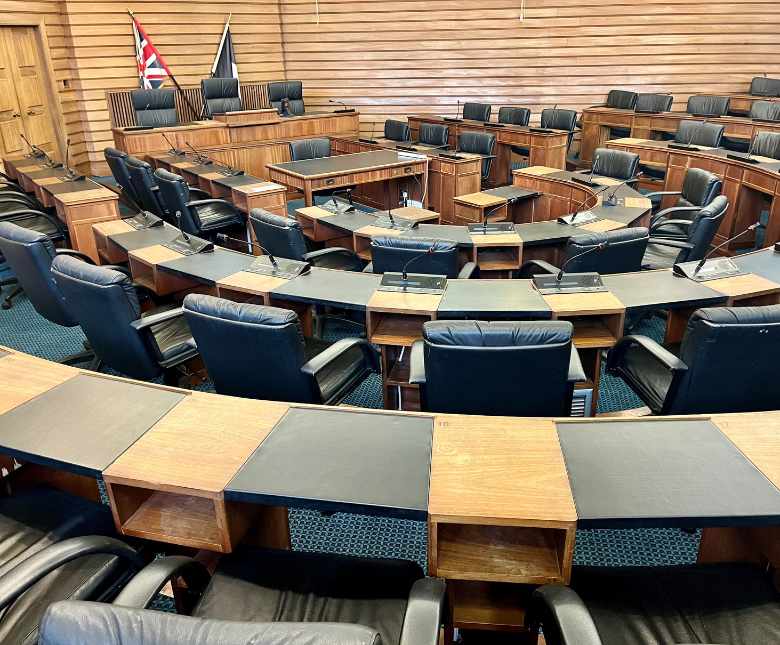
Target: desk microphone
(593, 168)
(432, 249)
(752, 227)
(348, 193)
(35, 150)
(346, 109)
(185, 237)
(371, 140)
(622, 183)
(573, 216)
(142, 115)
(173, 150)
(693, 136)
(598, 247)
(72, 175)
(223, 238)
(200, 158)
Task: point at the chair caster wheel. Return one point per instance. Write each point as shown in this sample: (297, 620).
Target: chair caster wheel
(363, 333)
(6, 305)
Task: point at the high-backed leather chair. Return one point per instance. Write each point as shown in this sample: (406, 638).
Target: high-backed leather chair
(105, 303)
(762, 86)
(397, 130)
(712, 602)
(263, 596)
(433, 135)
(698, 134)
(559, 119)
(202, 217)
(514, 115)
(476, 111)
(766, 144)
(154, 107)
(392, 252)
(765, 110)
(480, 143)
(149, 199)
(615, 164)
(116, 160)
(220, 95)
(725, 363)
(622, 252)
(699, 188)
(234, 339)
(291, 90)
(540, 356)
(621, 100)
(654, 103)
(711, 106)
(309, 149)
(663, 253)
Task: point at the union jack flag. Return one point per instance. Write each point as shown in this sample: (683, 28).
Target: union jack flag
(152, 69)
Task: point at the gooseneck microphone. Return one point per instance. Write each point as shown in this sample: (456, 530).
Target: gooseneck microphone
(223, 238)
(344, 105)
(142, 115)
(404, 275)
(173, 150)
(598, 247)
(348, 193)
(490, 212)
(36, 151)
(198, 156)
(752, 227)
(587, 199)
(181, 230)
(593, 167)
(67, 158)
(693, 136)
(611, 196)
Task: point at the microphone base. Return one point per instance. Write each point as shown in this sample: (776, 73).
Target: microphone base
(337, 209)
(400, 146)
(743, 159)
(398, 223)
(492, 228)
(540, 130)
(490, 124)
(76, 177)
(713, 269)
(452, 119)
(193, 246)
(451, 155)
(677, 146)
(139, 222)
(33, 155)
(345, 111)
(50, 166)
(580, 219)
(587, 182)
(288, 269)
(230, 173)
(414, 283)
(368, 141)
(548, 285)
(609, 202)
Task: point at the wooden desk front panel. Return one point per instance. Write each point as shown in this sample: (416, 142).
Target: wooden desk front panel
(297, 128)
(557, 198)
(143, 141)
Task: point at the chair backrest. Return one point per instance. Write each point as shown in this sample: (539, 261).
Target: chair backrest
(392, 252)
(617, 164)
(559, 119)
(622, 253)
(765, 110)
(154, 107)
(397, 130)
(476, 111)
(282, 236)
(251, 351)
(514, 115)
(73, 622)
(29, 254)
(480, 143)
(142, 176)
(766, 144)
(309, 149)
(105, 303)
(699, 188)
(536, 354)
(705, 226)
(116, 160)
(698, 133)
(434, 134)
(732, 356)
(291, 90)
(654, 103)
(175, 195)
(762, 86)
(220, 95)
(708, 105)
(621, 99)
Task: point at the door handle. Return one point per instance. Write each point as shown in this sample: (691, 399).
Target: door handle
(30, 112)
(16, 115)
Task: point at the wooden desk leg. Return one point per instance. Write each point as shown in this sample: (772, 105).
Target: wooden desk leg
(676, 323)
(591, 363)
(308, 196)
(271, 528)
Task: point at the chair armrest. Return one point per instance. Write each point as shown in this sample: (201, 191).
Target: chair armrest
(525, 270)
(677, 244)
(658, 226)
(417, 363)
(205, 202)
(325, 358)
(24, 575)
(661, 193)
(676, 209)
(27, 213)
(156, 319)
(616, 355)
(77, 254)
(576, 372)
(470, 271)
(425, 612)
(315, 255)
(558, 607)
(141, 591)
(197, 193)
(13, 186)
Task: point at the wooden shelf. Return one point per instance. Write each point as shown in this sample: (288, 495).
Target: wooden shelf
(496, 259)
(591, 332)
(489, 605)
(398, 329)
(399, 374)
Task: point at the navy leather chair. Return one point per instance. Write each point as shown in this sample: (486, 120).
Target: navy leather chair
(725, 363)
(514, 115)
(699, 188)
(623, 252)
(397, 130)
(391, 253)
(105, 303)
(615, 164)
(476, 111)
(766, 144)
(710, 106)
(201, 217)
(433, 135)
(235, 339)
(220, 95)
(290, 90)
(540, 356)
(154, 107)
(116, 160)
(309, 149)
(480, 143)
(145, 184)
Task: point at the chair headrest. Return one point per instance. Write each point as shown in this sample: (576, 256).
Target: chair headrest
(99, 276)
(656, 102)
(114, 153)
(726, 316)
(156, 99)
(135, 162)
(610, 237)
(700, 187)
(219, 88)
(14, 233)
(413, 243)
(559, 119)
(621, 99)
(279, 221)
(292, 90)
(762, 85)
(164, 175)
(478, 333)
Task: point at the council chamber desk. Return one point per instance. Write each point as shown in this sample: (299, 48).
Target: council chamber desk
(503, 497)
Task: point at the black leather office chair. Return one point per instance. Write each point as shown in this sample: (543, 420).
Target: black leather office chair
(201, 217)
(220, 95)
(621, 100)
(309, 149)
(763, 86)
(397, 130)
(723, 602)
(765, 111)
(710, 106)
(433, 135)
(664, 253)
(514, 115)
(622, 252)
(290, 90)
(392, 252)
(766, 144)
(647, 104)
(615, 164)
(699, 188)
(116, 160)
(154, 107)
(260, 352)
(479, 143)
(105, 303)
(145, 184)
(559, 119)
(725, 363)
(264, 596)
(476, 111)
(699, 134)
(540, 356)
